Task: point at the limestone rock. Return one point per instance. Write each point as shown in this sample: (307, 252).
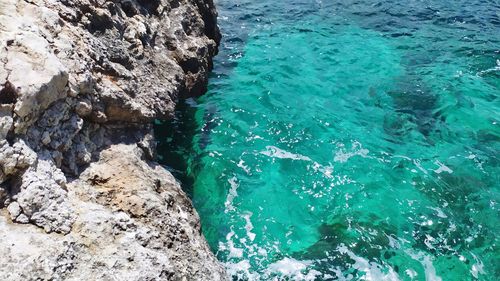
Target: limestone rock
(133, 223)
(15, 158)
(6, 120)
(83, 109)
(43, 198)
(151, 205)
(80, 83)
(14, 210)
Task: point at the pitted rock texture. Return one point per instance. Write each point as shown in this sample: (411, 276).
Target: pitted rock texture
(131, 222)
(80, 83)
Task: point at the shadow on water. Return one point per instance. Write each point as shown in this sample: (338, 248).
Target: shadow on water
(174, 142)
(182, 141)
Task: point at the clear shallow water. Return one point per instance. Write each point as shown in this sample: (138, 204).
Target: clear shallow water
(346, 140)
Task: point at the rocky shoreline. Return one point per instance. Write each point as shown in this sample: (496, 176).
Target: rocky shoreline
(81, 197)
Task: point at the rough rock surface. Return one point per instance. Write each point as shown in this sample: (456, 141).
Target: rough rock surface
(80, 83)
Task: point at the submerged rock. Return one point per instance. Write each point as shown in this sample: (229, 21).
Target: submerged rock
(81, 82)
(342, 244)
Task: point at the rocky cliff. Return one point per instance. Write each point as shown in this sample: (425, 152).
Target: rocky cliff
(81, 197)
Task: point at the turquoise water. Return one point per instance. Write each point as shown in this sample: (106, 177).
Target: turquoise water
(348, 140)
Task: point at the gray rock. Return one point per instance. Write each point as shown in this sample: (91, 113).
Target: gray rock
(22, 218)
(80, 83)
(15, 158)
(43, 198)
(46, 138)
(14, 210)
(83, 109)
(6, 120)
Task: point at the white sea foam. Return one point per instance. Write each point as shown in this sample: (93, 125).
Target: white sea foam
(242, 165)
(342, 155)
(478, 267)
(426, 261)
(373, 271)
(249, 226)
(241, 270)
(419, 166)
(493, 69)
(233, 251)
(411, 273)
(273, 151)
(439, 212)
(231, 194)
(442, 168)
(292, 269)
(327, 171)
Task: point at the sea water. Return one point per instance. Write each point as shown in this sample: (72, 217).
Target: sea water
(348, 140)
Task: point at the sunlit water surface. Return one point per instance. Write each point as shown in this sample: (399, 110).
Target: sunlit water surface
(348, 140)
